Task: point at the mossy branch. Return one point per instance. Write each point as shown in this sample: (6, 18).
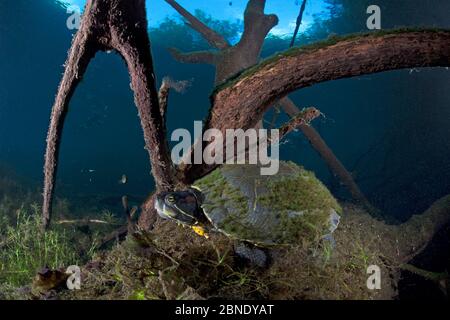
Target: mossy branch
(378, 40)
(234, 107)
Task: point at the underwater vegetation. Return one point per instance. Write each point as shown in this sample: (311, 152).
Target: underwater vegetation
(25, 249)
(172, 262)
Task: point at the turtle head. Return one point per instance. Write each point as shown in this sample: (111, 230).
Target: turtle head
(181, 206)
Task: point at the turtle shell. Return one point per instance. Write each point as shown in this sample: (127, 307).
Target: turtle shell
(290, 207)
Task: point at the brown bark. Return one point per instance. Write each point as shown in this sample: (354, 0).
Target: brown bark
(121, 26)
(148, 215)
(229, 60)
(84, 47)
(302, 118)
(164, 91)
(240, 100)
(133, 44)
(163, 96)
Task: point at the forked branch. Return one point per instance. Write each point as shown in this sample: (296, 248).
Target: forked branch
(121, 26)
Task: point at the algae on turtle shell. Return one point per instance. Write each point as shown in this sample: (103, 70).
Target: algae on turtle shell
(289, 207)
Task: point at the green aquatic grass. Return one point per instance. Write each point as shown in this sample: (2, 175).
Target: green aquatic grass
(25, 249)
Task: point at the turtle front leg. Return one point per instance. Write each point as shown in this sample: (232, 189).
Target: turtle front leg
(252, 254)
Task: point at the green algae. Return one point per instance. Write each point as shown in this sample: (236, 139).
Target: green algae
(223, 196)
(301, 193)
(300, 203)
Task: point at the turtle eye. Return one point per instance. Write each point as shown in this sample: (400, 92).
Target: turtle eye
(171, 199)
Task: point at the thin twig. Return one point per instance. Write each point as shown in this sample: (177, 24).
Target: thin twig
(84, 221)
(298, 23)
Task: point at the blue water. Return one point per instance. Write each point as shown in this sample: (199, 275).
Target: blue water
(390, 129)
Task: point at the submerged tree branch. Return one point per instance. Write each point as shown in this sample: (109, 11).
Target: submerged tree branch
(316, 141)
(164, 91)
(298, 22)
(241, 102)
(303, 118)
(206, 57)
(84, 47)
(163, 96)
(229, 60)
(303, 67)
(214, 39)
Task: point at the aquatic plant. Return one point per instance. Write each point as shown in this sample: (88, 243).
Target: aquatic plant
(25, 249)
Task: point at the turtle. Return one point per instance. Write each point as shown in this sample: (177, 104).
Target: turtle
(264, 211)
